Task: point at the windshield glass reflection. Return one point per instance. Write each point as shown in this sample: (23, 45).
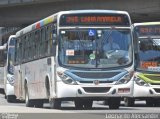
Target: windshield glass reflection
(149, 54)
(95, 48)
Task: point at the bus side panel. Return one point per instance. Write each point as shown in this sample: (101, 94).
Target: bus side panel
(35, 73)
(18, 82)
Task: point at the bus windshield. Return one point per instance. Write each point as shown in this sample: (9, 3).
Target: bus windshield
(95, 48)
(149, 53)
(11, 51)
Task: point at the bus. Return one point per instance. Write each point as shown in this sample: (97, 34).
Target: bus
(9, 70)
(6, 72)
(61, 58)
(147, 71)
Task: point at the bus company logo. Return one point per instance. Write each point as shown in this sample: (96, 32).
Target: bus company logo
(96, 82)
(8, 116)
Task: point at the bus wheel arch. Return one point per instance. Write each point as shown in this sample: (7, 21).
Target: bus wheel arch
(54, 103)
(29, 103)
(25, 87)
(47, 85)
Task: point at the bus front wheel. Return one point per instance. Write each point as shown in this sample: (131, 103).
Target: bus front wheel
(55, 103)
(11, 98)
(129, 102)
(88, 104)
(78, 104)
(29, 103)
(114, 103)
(39, 103)
(150, 102)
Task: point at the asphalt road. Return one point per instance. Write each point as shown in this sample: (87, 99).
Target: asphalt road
(68, 111)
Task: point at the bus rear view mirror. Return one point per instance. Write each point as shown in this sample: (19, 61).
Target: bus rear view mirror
(4, 47)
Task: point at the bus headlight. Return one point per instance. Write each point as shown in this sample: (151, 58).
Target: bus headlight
(125, 79)
(140, 82)
(66, 79)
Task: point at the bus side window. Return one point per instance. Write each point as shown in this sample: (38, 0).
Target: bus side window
(29, 47)
(46, 41)
(53, 38)
(15, 58)
(37, 44)
(43, 37)
(33, 46)
(19, 51)
(49, 39)
(24, 48)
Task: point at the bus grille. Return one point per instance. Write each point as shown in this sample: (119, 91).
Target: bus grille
(96, 75)
(99, 81)
(157, 90)
(96, 89)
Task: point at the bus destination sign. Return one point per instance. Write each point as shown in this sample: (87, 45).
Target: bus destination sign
(148, 30)
(94, 19)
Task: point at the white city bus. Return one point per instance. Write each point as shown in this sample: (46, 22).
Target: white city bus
(147, 51)
(9, 70)
(62, 58)
(6, 71)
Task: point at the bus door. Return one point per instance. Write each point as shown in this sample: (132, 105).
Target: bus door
(51, 62)
(18, 71)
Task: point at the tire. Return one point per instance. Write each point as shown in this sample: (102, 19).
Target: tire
(157, 102)
(39, 103)
(114, 103)
(29, 103)
(88, 104)
(105, 102)
(11, 98)
(129, 102)
(78, 104)
(55, 103)
(150, 102)
(2, 91)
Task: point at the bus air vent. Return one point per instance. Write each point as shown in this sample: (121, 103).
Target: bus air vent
(96, 75)
(96, 89)
(157, 90)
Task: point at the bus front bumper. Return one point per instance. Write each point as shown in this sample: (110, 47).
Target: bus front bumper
(9, 89)
(91, 90)
(146, 91)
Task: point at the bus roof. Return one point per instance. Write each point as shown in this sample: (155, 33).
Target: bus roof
(146, 23)
(93, 11)
(53, 18)
(12, 36)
